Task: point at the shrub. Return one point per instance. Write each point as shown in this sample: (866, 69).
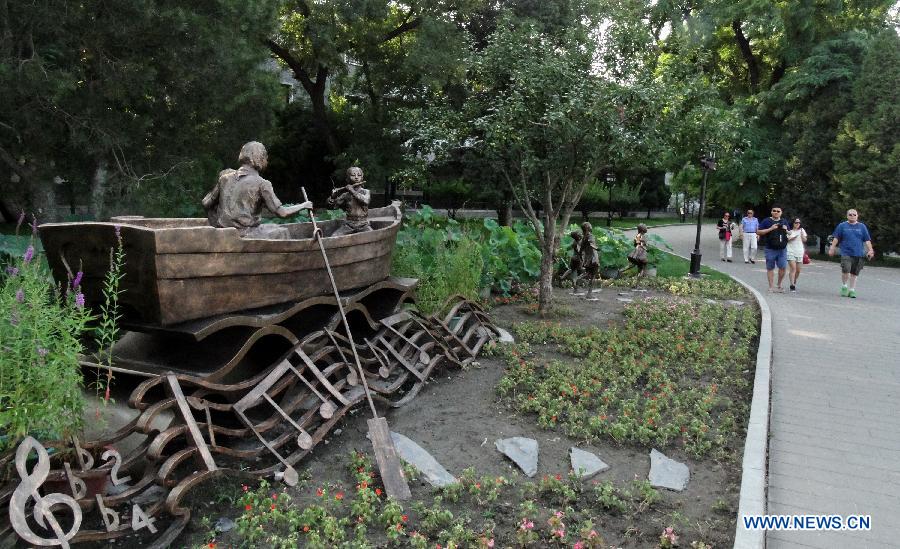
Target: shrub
(40, 326)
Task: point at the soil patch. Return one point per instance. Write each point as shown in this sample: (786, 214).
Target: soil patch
(458, 416)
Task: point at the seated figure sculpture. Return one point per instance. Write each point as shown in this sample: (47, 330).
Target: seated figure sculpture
(240, 195)
(353, 198)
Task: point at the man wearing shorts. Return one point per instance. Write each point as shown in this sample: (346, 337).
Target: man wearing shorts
(775, 229)
(855, 243)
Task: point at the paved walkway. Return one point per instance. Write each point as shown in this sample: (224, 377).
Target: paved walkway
(835, 417)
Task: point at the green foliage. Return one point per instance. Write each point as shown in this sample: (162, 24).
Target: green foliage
(445, 259)
(867, 149)
(106, 333)
(82, 97)
(657, 380)
(40, 327)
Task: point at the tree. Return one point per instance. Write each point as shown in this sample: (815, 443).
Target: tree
(549, 124)
(125, 97)
(654, 193)
(867, 149)
(379, 48)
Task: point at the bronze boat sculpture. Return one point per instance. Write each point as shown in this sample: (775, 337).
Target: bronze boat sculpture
(182, 269)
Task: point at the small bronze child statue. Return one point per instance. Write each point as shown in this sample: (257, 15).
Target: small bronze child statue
(240, 195)
(589, 255)
(576, 268)
(353, 198)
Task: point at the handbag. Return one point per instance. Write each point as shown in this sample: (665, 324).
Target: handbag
(806, 260)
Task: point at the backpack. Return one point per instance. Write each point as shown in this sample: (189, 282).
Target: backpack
(777, 239)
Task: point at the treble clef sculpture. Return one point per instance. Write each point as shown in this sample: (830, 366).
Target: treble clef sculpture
(43, 506)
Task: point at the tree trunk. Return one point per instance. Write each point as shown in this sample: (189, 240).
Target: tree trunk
(504, 214)
(320, 115)
(98, 190)
(545, 284)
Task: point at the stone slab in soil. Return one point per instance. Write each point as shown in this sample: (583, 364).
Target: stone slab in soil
(419, 458)
(505, 337)
(667, 473)
(586, 464)
(523, 452)
(625, 299)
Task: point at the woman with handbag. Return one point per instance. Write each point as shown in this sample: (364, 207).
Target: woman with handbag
(726, 228)
(795, 252)
(638, 256)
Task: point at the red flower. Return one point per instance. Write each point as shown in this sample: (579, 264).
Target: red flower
(211, 545)
(274, 496)
(245, 487)
(273, 506)
(306, 528)
(319, 492)
(558, 476)
(478, 485)
(377, 491)
(339, 496)
(248, 507)
(363, 485)
(404, 518)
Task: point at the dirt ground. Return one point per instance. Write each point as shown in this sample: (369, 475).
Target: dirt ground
(458, 416)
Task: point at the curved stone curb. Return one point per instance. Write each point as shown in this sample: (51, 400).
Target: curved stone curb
(756, 447)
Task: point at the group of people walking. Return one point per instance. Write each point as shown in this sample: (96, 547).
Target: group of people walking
(785, 247)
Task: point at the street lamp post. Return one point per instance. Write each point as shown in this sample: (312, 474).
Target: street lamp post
(708, 163)
(610, 181)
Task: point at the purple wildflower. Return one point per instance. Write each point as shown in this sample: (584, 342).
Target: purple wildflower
(14, 318)
(77, 281)
(79, 300)
(29, 253)
(20, 295)
(34, 225)
(12, 271)
(42, 352)
(118, 232)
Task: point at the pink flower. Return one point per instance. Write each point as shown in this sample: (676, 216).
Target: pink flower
(593, 534)
(560, 533)
(578, 545)
(490, 542)
(559, 514)
(526, 525)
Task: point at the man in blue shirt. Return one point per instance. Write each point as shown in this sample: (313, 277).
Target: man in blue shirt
(749, 226)
(775, 230)
(855, 243)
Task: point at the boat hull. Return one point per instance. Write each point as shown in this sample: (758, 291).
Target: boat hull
(178, 270)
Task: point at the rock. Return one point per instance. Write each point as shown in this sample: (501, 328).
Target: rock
(523, 451)
(736, 303)
(338, 431)
(710, 301)
(414, 454)
(667, 473)
(586, 464)
(505, 337)
(224, 524)
(625, 299)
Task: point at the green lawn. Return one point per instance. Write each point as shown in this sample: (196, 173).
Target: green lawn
(672, 266)
(632, 222)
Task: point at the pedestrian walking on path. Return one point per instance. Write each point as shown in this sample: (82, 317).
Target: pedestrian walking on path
(775, 230)
(855, 243)
(795, 252)
(749, 226)
(726, 229)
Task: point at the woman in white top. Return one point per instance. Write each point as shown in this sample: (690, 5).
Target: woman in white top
(795, 251)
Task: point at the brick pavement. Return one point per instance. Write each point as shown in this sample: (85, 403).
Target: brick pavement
(834, 440)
